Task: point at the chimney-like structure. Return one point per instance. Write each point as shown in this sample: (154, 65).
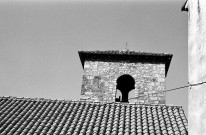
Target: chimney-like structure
(105, 72)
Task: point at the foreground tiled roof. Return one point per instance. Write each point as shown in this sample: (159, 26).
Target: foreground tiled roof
(24, 116)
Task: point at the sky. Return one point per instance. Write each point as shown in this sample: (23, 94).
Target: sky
(40, 40)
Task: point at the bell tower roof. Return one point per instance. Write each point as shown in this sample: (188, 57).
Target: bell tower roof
(126, 56)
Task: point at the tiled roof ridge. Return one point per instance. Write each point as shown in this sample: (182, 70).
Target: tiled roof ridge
(91, 102)
(122, 51)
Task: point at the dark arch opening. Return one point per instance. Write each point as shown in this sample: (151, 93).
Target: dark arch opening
(125, 84)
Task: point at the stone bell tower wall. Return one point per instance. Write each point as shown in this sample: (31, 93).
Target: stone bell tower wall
(99, 80)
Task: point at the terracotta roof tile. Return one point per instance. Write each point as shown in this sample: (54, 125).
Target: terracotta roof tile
(25, 116)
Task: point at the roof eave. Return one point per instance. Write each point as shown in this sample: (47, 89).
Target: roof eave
(160, 58)
(185, 6)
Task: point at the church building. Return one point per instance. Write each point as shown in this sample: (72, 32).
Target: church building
(100, 111)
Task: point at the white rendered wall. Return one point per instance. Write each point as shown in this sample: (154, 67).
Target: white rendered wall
(197, 67)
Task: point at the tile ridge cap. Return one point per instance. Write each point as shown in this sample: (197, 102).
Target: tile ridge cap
(91, 102)
(36, 99)
(134, 51)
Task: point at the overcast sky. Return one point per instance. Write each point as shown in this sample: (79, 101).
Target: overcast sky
(39, 42)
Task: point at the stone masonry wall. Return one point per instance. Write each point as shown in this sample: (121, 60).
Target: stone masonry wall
(99, 81)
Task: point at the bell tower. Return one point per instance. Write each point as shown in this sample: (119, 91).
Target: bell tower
(105, 72)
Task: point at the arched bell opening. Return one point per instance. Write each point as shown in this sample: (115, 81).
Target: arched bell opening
(125, 83)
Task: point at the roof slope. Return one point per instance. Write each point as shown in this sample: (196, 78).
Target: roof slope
(25, 116)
